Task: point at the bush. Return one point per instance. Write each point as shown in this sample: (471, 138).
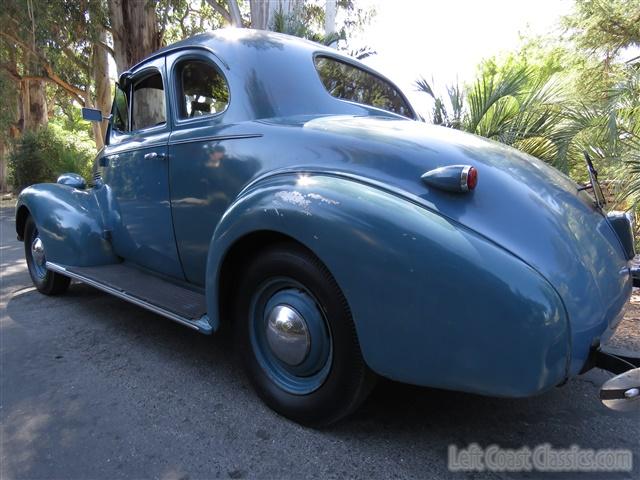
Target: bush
(40, 156)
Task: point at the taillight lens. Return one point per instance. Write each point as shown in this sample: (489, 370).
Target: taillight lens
(472, 178)
(452, 178)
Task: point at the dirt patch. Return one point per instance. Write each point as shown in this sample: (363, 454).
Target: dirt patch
(8, 200)
(627, 336)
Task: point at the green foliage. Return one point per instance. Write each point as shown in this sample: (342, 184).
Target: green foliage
(604, 27)
(8, 113)
(606, 103)
(441, 115)
(180, 19)
(512, 103)
(41, 155)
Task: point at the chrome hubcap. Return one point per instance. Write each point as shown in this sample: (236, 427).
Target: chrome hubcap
(288, 335)
(37, 251)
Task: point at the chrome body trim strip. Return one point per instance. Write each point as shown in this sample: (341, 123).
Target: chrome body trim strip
(214, 138)
(134, 148)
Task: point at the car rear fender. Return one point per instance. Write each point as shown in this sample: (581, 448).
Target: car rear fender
(433, 303)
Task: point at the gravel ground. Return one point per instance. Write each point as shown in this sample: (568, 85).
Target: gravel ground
(92, 387)
(627, 336)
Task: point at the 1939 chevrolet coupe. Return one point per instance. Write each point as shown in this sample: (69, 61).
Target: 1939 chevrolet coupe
(273, 185)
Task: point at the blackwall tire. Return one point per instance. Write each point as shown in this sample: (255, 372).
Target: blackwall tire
(331, 379)
(46, 281)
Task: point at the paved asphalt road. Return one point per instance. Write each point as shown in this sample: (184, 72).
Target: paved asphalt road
(93, 387)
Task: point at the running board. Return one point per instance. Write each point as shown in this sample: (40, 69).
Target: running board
(145, 290)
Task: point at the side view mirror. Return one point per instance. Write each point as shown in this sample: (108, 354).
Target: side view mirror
(93, 115)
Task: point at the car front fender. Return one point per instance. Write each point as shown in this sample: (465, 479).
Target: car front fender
(433, 302)
(69, 223)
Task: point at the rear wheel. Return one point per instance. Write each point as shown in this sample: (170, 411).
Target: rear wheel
(46, 281)
(297, 339)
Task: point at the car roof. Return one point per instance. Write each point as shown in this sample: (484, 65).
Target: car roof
(277, 70)
(224, 41)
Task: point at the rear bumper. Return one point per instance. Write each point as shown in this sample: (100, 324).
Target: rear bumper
(635, 271)
(612, 361)
(622, 392)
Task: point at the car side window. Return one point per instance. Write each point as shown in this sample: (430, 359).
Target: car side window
(348, 82)
(120, 111)
(202, 89)
(148, 109)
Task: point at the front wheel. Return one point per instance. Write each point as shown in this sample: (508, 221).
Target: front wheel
(297, 339)
(46, 281)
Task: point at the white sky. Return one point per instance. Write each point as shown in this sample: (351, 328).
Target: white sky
(446, 39)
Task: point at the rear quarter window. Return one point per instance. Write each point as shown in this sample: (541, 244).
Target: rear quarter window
(348, 82)
(203, 89)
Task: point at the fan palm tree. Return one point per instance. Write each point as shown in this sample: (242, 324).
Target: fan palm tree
(441, 115)
(517, 107)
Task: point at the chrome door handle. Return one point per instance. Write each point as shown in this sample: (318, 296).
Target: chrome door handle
(105, 161)
(153, 156)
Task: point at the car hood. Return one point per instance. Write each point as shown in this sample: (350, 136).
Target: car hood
(521, 203)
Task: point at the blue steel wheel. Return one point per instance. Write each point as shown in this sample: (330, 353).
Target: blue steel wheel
(290, 336)
(47, 282)
(297, 339)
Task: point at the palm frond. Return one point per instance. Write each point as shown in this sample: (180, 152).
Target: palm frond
(422, 85)
(489, 89)
(362, 53)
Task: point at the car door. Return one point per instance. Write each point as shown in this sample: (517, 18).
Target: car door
(135, 168)
(209, 165)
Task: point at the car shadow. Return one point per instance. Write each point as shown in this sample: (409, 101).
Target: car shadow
(119, 341)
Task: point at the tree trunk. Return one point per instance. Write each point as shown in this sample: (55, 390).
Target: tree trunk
(330, 17)
(100, 73)
(134, 27)
(262, 13)
(234, 13)
(34, 93)
(34, 104)
(14, 128)
(3, 166)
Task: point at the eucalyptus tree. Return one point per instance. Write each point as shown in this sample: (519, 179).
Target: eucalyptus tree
(23, 38)
(51, 52)
(311, 20)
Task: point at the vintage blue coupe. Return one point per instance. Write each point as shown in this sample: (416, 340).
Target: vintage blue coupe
(270, 184)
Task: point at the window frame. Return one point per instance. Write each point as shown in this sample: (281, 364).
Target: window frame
(137, 78)
(114, 107)
(177, 88)
(364, 68)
